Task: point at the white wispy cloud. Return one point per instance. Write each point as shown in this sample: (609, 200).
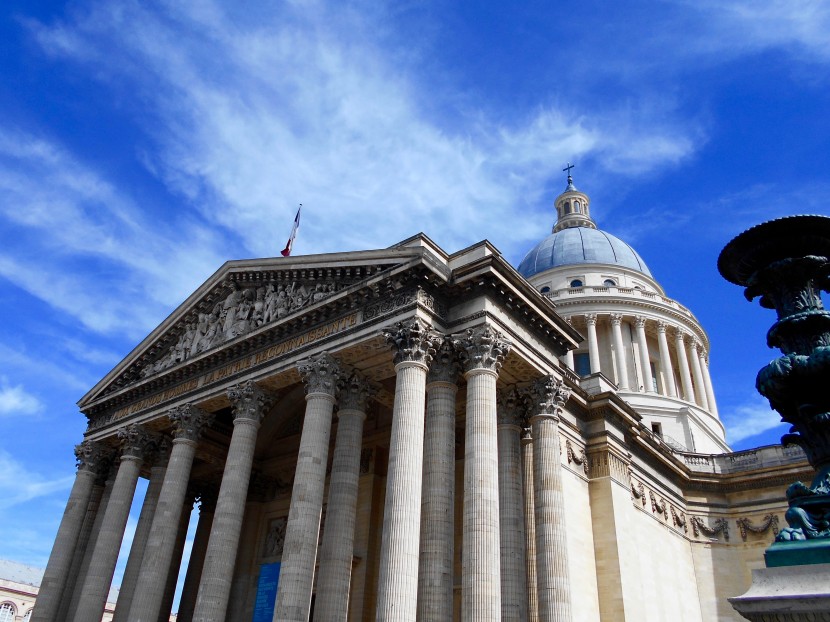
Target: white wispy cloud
(306, 105)
(15, 400)
(19, 484)
(750, 419)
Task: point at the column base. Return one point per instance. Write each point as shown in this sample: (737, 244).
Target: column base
(787, 594)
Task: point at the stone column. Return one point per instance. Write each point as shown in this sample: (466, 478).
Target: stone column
(320, 375)
(142, 532)
(619, 352)
(530, 526)
(188, 422)
(412, 342)
(91, 457)
(435, 571)
(337, 549)
(175, 560)
(568, 359)
(511, 509)
(190, 589)
(549, 395)
(700, 390)
(683, 363)
(249, 404)
(593, 346)
(72, 595)
(135, 441)
(645, 362)
(482, 352)
(707, 383)
(665, 360)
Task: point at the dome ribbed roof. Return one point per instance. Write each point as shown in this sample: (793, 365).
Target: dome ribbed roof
(580, 245)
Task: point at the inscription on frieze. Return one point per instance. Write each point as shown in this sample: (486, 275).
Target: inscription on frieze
(272, 352)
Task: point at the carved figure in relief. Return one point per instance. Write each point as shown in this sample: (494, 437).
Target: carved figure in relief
(259, 307)
(199, 332)
(282, 302)
(269, 311)
(229, 309)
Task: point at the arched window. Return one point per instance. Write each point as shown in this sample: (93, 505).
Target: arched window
(7, 612)
(567, 207)
(577, 208)
(576, 283)
(609, 283)
(545, 289)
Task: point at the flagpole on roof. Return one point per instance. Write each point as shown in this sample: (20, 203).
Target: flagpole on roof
(286, 252)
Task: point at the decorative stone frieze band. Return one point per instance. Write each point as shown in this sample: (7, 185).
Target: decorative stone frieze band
(320, 374)
(721, 525)
(411, 341)
(745, 525)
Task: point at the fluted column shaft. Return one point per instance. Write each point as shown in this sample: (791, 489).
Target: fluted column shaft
(337, 549)
(700, 389)
(481, 575)
(530, 527)
(707, 382)
(482, 351)
(511, 513)
(105, 555)
(212, 601)
(645, 361)
(435, 572)
(175, 561)
(302, 531)
(142, 533)
(190, 589)
(69, 604)
(665, 361)
(619, 352)
(593, 346)
(683, 363)
(69, 532)
(147, 603)
(552, 572)
(398, 577)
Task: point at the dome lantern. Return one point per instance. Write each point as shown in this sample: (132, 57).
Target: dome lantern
(572, 207)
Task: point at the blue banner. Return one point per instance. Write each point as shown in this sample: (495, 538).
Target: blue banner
(266, 592)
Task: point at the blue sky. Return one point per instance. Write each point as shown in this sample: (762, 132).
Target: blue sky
(143, 144)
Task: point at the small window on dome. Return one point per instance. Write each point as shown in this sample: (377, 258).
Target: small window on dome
(567, 207)
(577, 208)
(545, 289)
(576, 283)
(609, 283)
(639, 287)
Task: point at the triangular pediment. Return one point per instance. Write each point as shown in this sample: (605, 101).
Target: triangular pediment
(246, 297)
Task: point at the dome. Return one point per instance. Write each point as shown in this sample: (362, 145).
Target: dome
(580, 245)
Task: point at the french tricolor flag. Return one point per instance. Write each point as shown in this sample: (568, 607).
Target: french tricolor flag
(287, 250)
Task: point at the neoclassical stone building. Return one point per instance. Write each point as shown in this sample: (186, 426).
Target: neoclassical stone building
(407, 434)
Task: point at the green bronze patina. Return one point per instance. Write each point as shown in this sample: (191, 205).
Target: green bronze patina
(786, 263)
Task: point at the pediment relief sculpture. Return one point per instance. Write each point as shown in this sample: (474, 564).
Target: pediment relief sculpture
(241, 311)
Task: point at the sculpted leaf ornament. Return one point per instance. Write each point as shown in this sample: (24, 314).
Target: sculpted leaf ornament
(411, 341)
(481, 348)
(249, 401)
(320, 374)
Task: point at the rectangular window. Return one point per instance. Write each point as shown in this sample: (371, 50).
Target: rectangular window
(653, 376)
(582, 364)
(657, 428)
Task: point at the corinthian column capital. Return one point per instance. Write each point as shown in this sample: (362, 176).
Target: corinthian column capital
(189, 421)
(512, 408)
(481, 348)
(92, 456)
(320, 374)
(616, 319)
(136, 441)
(591, 319)
(548, 396)
(412, 341)
(248, 401)
(445, 366)
(355, 392)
